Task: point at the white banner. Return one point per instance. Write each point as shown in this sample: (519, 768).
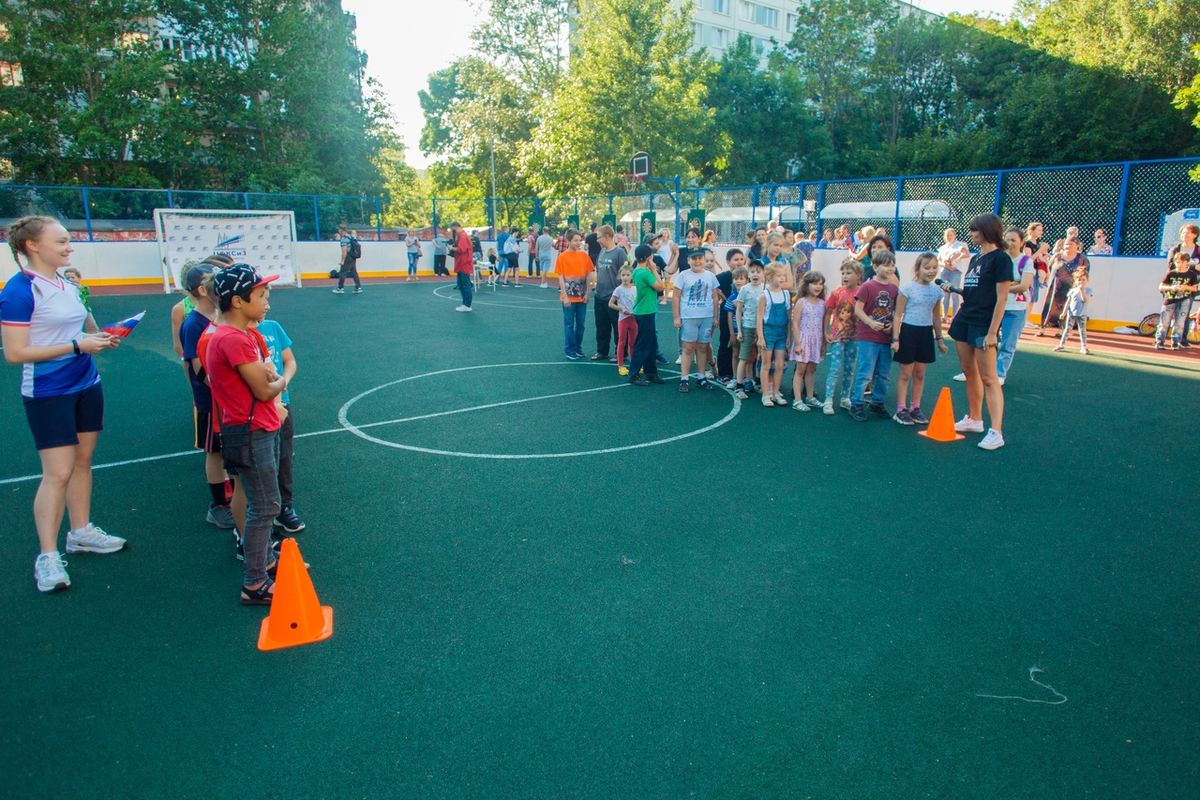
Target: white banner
(263, 239)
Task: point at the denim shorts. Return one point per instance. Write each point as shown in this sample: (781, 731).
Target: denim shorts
(775, 336)
(696, 329)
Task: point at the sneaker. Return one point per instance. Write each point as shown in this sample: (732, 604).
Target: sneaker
(846, 404)
(1185, 344)
(50, 571)
(461, 308)
(660, 359)
(917, 416)
(684, 386)
(857, 414)
(574, 356)
(902, 416)
(779, 399)
(813, 402)
(731, 383)
(1159, 346)
(1001, 379)
(800, 405)
(968, 425)
(740, 394)
(828, 408)
(993, 440)
(705, 383)
(678, 359)
(622, 371)
(289, 520)
(878, 410)
(639, 380)
(358, 290)
(1057, 348)
(339, 291)
(961, 377)
(93, 540)
(221, 516)
(655, 378)
(545, 285)
(1082, 350)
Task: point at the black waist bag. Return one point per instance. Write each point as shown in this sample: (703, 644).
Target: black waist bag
(236, 450)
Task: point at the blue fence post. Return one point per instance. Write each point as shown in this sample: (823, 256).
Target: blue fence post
(435, 225)
(899, 197)
(610, 204)
(820, 206)
(87, 212)
(170, 199)
(378, 221)
(754, 208)
(316, 221)
(999, 189)
(490, 204)
(246, 200)
(1116, 234)
(678, 221)
(771, 204)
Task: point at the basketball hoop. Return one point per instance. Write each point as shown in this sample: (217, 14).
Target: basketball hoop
(632, 182)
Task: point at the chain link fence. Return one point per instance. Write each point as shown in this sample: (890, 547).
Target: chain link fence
(1131, 201)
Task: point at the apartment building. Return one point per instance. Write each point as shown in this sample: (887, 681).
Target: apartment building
(716, 24)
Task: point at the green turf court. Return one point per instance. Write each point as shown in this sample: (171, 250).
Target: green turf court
(766, 604)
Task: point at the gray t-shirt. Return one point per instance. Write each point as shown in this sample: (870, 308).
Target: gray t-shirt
(545, 246)
(920, 303)
(608, 264)
(748, 297)
(439, 245)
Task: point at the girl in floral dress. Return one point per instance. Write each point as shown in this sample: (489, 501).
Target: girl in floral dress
(808, 338)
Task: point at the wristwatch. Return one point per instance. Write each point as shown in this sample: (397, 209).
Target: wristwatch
(75, 347)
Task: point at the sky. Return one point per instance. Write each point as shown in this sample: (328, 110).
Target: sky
(405, 42)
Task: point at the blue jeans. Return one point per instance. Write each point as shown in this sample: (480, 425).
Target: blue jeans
(874, 359)
(1171, 316)
(462, 282)
(412, 264)
(843, 359)
(261, 485)
(1011, 326)
(574, 315)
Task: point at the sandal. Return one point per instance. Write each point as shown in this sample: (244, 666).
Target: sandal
(597, 357)
(261, 596)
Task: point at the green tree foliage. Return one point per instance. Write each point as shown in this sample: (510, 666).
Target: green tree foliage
(527, 41)
(632, 85)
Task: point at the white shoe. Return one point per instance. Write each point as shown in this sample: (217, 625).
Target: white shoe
(463, 308)
(731, 383)
(968, 425)
(993, 441)
(93, 540)
(50, 571)
(961, 377)
(1085, 351)
(545, 285)
(679, 359)
(845, 403)
(1001, 381)
(800, 405)
(828, 408)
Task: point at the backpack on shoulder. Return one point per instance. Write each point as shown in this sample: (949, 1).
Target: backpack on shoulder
(354, 249)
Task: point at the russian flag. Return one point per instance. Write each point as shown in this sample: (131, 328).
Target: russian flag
(123, 327)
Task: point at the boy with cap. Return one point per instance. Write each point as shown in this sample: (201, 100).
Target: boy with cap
(208, 438)
(245, 384)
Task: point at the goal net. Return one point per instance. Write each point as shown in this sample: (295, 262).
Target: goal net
(263, 239)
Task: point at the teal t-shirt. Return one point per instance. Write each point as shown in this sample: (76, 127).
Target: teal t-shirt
(277, 341)
(647, 298)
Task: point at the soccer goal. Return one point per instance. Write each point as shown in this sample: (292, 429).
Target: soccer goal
(266, 240)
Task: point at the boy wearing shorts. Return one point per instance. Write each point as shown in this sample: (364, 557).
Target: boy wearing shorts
(746, 315)
(696, 307)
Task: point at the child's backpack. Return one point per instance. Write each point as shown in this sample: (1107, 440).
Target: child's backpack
(354, 249)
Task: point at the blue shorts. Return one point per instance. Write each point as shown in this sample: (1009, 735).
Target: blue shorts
(58, 421)
(775, 336)
(968, 334)
(698, 329)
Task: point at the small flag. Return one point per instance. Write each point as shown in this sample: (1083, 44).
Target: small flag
(123, 327)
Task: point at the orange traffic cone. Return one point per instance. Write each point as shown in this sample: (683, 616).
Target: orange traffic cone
(941, 424)
(297, 616)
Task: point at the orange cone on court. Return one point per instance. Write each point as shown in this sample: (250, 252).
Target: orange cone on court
(297, 616)
(941, 424)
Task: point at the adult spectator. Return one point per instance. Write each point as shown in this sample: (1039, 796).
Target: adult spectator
(440, 248)
(668, 251)
(976, 328)
(1062, 270)
(561, 243)
(1041, 259)
(464, 265)
(502, 239)
(413, 243)
(758, 246)
(1187, 244)
(512, 258)
(546, 252)
(622, 239)
(803, 247)
(593, 245)
(710, 238)
(1100, 245)
(531, 265)
(476, 248)
(952, 257)
(41, 318)
(608, 267)
(348, 267)
(877, 242)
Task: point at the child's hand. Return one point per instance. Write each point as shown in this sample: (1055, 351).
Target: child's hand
(762, 343)
(895, 347)
(678, 322)
(942, 347)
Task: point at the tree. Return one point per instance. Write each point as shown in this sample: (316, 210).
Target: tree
(527, 41)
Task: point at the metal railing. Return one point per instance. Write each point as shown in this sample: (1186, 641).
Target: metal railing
(1130, 200)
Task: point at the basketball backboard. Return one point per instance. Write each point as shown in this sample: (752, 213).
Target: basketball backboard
(640, 165)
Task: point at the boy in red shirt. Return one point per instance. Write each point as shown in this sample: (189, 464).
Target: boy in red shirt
(244, 385)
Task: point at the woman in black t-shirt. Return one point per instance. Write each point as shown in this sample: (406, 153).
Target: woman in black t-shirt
(976, 327)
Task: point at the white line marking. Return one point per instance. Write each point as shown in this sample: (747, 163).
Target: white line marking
(95, 467)
(503, 305)
(1032, 671)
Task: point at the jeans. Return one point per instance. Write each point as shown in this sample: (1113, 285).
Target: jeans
(533, 267)
(574, 316)
(412, 264)
(1171, 316)
(261, 485)
(349, 270)
(843, 359)
(606, 325)
(875, 359)
(462, 282)
(286, 432)
(439, 264)
(1011, 326)
(645, 346)
(1187, 318)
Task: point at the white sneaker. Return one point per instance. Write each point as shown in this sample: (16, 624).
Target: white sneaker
(968, 425)
(50, 572)
(845, 403)
(545, 285)
(1002, 381)
(828, 407)
(731, 383)
(993, 440)
(961, 377)
(93, 540)
(462, 308)
(678, 359)
(1085, 351)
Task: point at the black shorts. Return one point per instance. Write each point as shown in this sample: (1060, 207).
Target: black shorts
(966, 333)
(58, 421)
(207, 438)
(916, 344)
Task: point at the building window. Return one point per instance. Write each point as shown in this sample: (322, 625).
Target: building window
(697, 34)
(767, 16)
(10, 74)
(761, 46)
(720, 6)
(720, 38)
(746, 11)
(793, 22)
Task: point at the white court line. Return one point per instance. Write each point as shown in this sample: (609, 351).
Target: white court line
(523, 305)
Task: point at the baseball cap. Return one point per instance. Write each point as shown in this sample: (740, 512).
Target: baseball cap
(642, 252)
(238, 279)
(195, 276)
(702, 252)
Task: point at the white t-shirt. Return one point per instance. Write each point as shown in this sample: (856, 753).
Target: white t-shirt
(1019, 302)
(695, 293)
(748, 297)
(625, 297)
(664, 252)
(953, 255)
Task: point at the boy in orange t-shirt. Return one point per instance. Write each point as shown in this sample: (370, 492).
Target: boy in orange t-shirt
(574, 269)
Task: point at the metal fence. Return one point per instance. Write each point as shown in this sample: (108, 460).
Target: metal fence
(1128, 199)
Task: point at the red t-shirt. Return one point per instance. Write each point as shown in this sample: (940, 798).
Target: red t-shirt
(879, 303)
(463, 257)
(227, 348)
